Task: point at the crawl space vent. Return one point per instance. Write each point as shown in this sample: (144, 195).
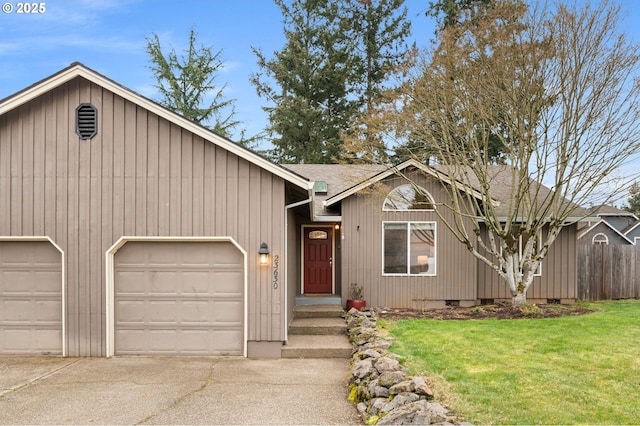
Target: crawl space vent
(86, 121)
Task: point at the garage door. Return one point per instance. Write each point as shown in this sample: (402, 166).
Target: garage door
(179, 298)
(30, 298)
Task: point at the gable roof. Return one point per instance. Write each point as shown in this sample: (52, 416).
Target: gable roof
(79, 70)
(603, 222)
(385, 171)
(338, 177)
(347, 179)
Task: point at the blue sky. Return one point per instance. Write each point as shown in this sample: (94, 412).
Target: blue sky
(109, 37)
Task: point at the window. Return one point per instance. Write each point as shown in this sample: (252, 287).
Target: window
(636, 241)
(409, 248)
(600, 238)
(318, 235)
(407, 197)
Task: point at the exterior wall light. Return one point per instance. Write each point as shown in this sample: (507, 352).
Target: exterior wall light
(264, 254)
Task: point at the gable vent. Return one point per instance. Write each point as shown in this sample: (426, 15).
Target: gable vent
(86, 121)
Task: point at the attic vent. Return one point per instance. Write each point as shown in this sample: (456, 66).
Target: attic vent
(320, 186)
(86, 121)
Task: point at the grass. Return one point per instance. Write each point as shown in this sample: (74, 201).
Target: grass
(568, 370)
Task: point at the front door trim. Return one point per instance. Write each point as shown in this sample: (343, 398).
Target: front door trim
(330, 231)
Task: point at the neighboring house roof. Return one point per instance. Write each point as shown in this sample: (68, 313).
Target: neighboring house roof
(605, 210)
(607, 228)
(79, 70)
(623, 221)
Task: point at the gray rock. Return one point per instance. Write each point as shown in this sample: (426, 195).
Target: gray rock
(376, 406)
(419, 386)
(387, 364)
(362, 408)
(368, 353)
(378, 345)
(403, 386)
(362, 368)
(376, 390)
(438, 413)
(400, 400)
(415, 413)
(390, 378)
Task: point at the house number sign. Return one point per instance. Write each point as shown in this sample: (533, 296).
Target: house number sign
(276, 271)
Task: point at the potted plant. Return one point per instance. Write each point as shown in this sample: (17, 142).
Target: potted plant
(356, 299)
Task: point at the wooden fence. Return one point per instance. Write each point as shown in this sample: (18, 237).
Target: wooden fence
(607, 272)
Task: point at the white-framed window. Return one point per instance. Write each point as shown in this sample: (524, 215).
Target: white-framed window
(636, 241)
(600, 238)
(409, 248)
(408, 197)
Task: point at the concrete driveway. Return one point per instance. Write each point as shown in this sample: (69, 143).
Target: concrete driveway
(158, 390)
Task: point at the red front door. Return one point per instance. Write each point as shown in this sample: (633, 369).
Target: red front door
(318, 260)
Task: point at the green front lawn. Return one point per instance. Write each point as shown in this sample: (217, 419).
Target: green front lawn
(568, 370)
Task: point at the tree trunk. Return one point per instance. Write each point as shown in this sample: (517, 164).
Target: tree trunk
(519, 298)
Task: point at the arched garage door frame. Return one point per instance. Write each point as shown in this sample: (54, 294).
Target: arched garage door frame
(62, 281)
(110, 280)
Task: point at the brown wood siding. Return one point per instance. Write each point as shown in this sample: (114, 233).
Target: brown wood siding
(139, 176)
(608, 272)
(362, 217)
(558, 279)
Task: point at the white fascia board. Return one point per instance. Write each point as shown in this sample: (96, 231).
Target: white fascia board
(318, 218)
(79, 70)
(608, 226)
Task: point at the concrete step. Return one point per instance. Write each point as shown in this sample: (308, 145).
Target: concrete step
(318, 326)
(318, 311)
(308, 346)
(318, 300)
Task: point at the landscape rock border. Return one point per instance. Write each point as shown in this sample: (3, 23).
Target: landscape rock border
(383, 392)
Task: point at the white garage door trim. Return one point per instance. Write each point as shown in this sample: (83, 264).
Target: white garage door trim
(62, 281)
(110, 278)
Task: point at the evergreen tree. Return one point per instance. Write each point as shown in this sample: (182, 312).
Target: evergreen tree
(634, 199)
(185, 82)
(381, 28)
(338, 56)
(313, 72)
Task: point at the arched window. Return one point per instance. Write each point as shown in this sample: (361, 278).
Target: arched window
(408, 197)
(600, 238)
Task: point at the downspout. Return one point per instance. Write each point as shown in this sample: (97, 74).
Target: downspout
(286, 250)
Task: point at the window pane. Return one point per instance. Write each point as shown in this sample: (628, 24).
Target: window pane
(405, 197)
(422, 250)
(395, 248)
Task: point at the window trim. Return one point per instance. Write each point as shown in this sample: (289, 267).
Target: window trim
(605, 241)
(636, 241)
(538, 273)
(435, 248)
(384, 202)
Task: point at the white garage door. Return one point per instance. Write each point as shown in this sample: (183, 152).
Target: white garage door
(179, 298)
(30, 298)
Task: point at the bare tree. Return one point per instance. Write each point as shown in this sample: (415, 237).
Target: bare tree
(558, 87)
